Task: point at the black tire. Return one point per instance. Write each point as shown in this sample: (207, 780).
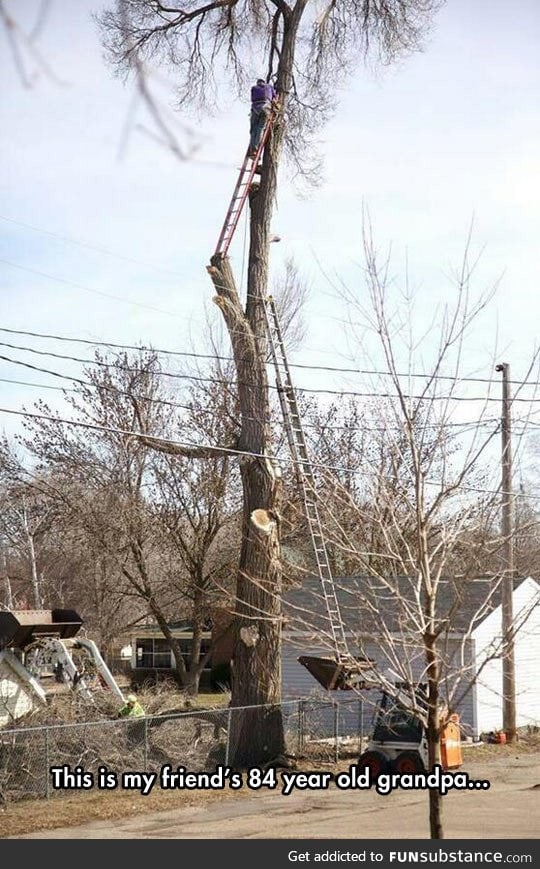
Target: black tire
(408, 763)
(375, 761)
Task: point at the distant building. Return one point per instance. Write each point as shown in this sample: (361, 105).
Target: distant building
(481, 708)
(153, 660)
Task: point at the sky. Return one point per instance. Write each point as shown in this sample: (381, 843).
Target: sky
(106, 235)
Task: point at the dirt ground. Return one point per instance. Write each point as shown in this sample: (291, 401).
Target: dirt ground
(509, 809)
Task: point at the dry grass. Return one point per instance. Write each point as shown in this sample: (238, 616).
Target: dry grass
(72, 809)
(31, 816)
(526, 743)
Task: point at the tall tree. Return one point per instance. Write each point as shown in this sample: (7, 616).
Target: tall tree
(135, 514)
(435, 495)
(306, 55)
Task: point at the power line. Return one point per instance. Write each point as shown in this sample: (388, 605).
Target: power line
(229, 382)
(69, 283)
(90, 289)
(115, 346)
(186, 445)
(104, 386)
(36, 385)
(370, 372)
(300, 365)
(89, 246)
(322, 428)
(466, 426)
(218, 449)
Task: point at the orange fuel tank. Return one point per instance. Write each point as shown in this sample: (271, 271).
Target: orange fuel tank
(451, 756)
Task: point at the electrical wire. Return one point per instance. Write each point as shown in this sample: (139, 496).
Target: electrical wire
(190, 446)
(86, 289)
(93, 247)
(301, 389)
(322, 429)
(300, 365)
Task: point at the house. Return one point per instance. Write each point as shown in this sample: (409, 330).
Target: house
(152, 659)
(472, 608)
(526, 611)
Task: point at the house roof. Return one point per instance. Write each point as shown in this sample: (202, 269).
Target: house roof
(367, 603)
(177, 628)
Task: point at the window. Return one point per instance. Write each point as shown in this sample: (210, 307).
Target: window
(185, 646)
(162, 654)
(145, 653)
(153, 654)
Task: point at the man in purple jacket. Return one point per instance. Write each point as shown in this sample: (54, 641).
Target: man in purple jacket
(262, 96)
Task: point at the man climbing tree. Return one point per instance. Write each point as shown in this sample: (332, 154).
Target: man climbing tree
(262, 97)
(307, 56)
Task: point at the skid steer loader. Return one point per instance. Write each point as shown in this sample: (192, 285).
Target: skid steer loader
(39, 645)
(399, 740)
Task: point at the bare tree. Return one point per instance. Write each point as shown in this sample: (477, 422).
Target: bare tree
(28, 59)
(136, 513)
(425, 503)
(25, 521)
(199, 508)
(210, 42)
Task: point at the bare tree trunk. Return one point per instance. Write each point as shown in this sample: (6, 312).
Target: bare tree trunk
(433, 735)
(194, 670)
(256, 672)
(33, 565)
(7, 581)
(174, 645)
(430, 647)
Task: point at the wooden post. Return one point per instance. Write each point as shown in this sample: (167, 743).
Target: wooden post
(507, 527)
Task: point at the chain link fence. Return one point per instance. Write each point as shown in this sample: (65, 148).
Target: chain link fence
(318, 730)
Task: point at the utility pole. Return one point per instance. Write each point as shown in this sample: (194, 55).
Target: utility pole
(507, 527)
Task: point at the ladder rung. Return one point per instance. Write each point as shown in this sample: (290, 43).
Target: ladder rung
(300, 454)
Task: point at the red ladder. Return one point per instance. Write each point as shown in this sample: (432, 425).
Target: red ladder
(241, 190)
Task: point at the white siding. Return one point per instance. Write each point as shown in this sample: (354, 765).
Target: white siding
(527, 657)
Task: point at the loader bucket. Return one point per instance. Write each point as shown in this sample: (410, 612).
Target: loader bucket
(19, 628)
(335, 676)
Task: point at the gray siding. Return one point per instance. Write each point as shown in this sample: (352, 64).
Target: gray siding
(355, 708)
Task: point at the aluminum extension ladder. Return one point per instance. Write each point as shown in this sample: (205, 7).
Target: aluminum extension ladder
(241, 190)
(300, 456)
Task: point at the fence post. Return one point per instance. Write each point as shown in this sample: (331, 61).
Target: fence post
(47, 764)
(336, 732)
(229, 718)
(146, 744)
